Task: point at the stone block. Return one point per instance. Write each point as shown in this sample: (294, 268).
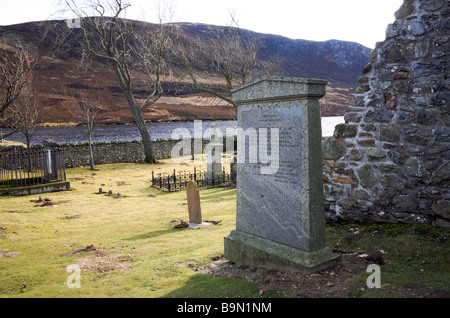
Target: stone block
(375, 154)
(415, 167)
(345, 131)
(404, 11)
(332, 149)
(405, 203)
(442, 208)
(353, 117)
(441, 174)
(416, 28)
(390, 134)
(379, 116)
(366, 142)
(355, 155)
(432, 5)
(390, 101)
(361, 195)
(391, 184)
(366, 176)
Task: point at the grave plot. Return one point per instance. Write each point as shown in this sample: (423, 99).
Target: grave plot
(30, 171)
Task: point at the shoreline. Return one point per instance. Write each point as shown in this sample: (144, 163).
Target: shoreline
(72, 124)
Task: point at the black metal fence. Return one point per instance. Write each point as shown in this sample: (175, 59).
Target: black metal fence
(178, 181)
(21, 167)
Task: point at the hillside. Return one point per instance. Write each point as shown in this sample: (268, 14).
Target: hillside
(336, 61)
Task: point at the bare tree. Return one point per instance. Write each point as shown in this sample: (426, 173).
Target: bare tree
(23, 113)
(84, 111)
(23, 116)
(80, 106)
(125, 44)
(228, 53)
(16, 70)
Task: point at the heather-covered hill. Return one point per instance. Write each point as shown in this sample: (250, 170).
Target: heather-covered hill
(336, 61)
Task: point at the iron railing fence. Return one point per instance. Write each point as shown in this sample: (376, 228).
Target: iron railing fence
(178, 181)
(22, 167)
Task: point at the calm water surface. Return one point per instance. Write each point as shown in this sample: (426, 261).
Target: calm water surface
(130, 132)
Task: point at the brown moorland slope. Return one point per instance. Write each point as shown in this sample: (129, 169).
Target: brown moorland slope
(336, 61)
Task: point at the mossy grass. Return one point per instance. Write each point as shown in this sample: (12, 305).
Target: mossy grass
(416, 256)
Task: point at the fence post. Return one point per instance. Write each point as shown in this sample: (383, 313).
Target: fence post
(223, 175)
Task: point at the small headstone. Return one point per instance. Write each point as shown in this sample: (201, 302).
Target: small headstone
(193, 202)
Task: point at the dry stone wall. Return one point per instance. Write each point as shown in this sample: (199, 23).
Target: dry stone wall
(390, 161)
(132, 151)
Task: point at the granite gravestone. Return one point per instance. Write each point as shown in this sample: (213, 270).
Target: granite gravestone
(280, 221)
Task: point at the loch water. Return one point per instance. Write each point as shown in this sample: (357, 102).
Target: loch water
(158, 130)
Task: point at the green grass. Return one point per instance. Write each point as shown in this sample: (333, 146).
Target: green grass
(417, 257)
(164, 259)
(134, 226)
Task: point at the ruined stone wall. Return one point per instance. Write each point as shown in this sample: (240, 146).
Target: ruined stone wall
(389, 162)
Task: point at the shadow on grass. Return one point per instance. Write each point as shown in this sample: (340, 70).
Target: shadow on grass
(222, 194)
(150, 235)
(206, 286)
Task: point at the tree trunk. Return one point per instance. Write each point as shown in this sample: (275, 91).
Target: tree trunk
(91, 155)
(28, 140)
(146, 139)
(140, 124)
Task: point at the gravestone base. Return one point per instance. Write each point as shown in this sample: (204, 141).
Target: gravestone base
(196, 226)
(251, 250)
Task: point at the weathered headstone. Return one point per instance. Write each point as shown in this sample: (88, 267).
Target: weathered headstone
(214, 155)
(193, 202)
(280, 221)
(50, 162)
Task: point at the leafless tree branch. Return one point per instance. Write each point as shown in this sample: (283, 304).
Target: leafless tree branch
(16, 71)
(126, 45)
(228, 53)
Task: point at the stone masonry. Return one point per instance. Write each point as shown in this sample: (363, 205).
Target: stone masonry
(390, 161)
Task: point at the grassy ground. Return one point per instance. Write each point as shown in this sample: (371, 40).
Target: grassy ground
(415, 259)
(133, 252)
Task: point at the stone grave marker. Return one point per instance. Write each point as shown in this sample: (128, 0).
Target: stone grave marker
(193, 202)
(214, 155)
(280, 221)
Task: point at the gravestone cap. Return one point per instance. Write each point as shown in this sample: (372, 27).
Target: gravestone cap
(279, 88)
